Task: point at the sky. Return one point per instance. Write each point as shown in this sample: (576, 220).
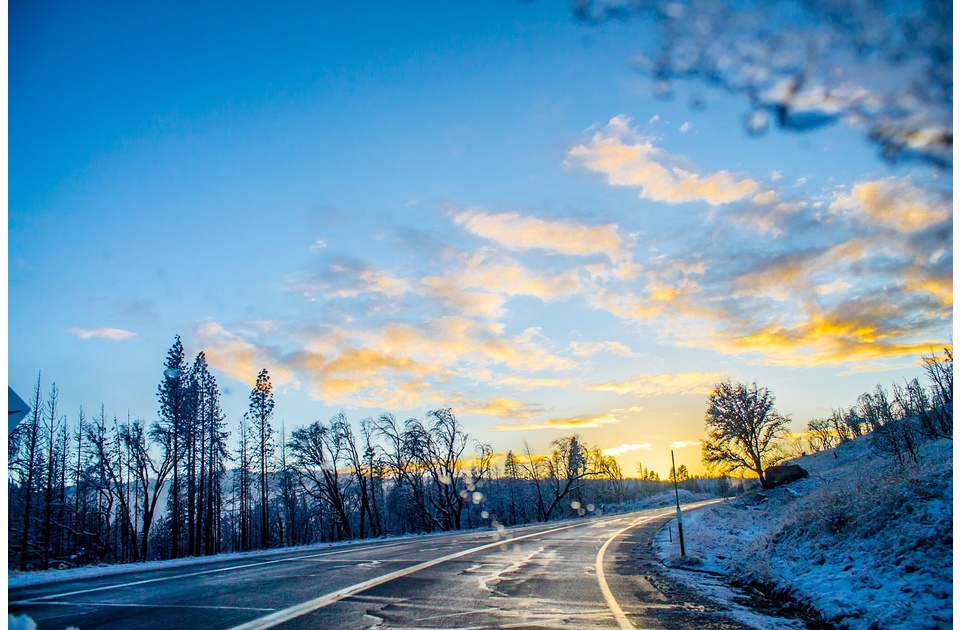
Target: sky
(484, 206)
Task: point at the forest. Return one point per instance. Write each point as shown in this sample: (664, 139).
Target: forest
(103, 489)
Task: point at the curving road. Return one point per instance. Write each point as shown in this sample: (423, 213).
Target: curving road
(590, 573)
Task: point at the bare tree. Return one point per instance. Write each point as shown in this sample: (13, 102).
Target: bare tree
(316, 451)
(148, 471)
(567, 466)
(410, 514)
(821, 435)
(30, 430)
(344, 434)
(743, 429)
(937, 420)
(534, 469)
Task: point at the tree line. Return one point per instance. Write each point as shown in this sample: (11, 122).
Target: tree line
(102, 489)
(745, 431)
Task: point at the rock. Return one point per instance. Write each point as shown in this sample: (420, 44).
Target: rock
(780, 475)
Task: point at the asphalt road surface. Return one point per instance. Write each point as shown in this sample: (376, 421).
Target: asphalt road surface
(589, 573)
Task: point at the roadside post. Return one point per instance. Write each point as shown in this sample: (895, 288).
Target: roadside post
(676, 491)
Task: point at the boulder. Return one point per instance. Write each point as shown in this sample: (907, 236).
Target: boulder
(780, 475)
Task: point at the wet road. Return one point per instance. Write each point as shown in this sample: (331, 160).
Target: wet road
(591, 573)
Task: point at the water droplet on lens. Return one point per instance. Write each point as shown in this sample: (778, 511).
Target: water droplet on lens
(757, 122)
(662, 89)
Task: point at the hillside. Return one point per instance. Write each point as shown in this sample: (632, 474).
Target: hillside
(862, 543)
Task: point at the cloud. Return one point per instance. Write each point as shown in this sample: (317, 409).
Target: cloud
(113, 334)
(678, 445)
(649, 385)
(685, 127)
(630, 159)
(397, 364)
(587, 421)
(500, 407)
(627, 448)
(481, 282)
(591, 348)
(586, 348)
(893, 204)
(528, 383)
(766, 197)
(318, 245)
(828, 338)
(239, 358)
(344, 280)
(519, 233)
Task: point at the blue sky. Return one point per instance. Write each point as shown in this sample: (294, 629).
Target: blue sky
(481, 206)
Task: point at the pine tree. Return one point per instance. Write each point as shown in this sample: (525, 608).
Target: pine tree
(211, 453)
(172, 393)
(261, 410)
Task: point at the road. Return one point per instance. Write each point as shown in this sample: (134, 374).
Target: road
(589, 573)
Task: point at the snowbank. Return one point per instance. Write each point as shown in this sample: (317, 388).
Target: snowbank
(862, 542)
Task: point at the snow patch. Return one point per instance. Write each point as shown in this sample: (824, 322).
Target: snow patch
(862, 541)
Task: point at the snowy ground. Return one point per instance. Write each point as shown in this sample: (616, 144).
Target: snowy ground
(862, 542)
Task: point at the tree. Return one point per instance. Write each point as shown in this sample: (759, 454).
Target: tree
(317, 451)
(259, 414)
(743, 429)
(407, 494)
(821, 435)
(210, 455)
(437, 449)
(172, 394)
(30, 431)
(937, 420)
(567, 465)
(147, 468)
(681, 474)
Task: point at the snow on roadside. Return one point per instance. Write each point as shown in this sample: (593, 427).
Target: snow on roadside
(862, 542)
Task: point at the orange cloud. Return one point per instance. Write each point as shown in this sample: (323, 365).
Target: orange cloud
(499, 407)
(480, 285)
(897, 205)
(563, 424)
(629, 159)
(519, 233)
(822, 339)
(239, 358)
(649, 385)
(527, 383)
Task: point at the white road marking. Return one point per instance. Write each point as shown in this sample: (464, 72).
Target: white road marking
(122, 605)
(111, 587)
(287, 614)
(618, 614)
